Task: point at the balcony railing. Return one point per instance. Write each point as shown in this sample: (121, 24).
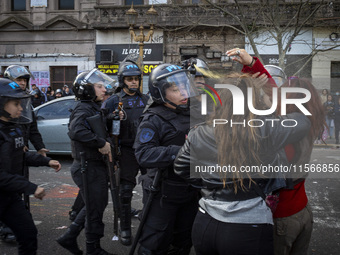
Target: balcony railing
(195, 15)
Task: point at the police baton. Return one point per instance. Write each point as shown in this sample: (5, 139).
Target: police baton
(154, 188)
(83, 170)
(97, 125)
(114, 194)
(27, 176)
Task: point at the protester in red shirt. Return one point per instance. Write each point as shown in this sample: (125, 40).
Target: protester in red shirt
(293, 219)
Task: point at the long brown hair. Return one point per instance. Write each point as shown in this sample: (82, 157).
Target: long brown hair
(314, 105)
(237, 144)
(303, 148)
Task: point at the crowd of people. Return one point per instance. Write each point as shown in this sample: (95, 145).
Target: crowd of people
(45, 94)
(39, 95)
(165, 137)
(331, 103)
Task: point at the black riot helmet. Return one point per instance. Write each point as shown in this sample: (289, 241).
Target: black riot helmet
(128, 68)
(166, 75)
(109, 89)
(196, 66)
(277, 74)
(59, 91)
(10, 90)
(200, 67)
(83, 85)
(16, 71)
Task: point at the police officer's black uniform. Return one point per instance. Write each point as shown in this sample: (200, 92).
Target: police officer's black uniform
(33, 135)
(160, 136)
(83, 139)
(12, 182)
(133, 106)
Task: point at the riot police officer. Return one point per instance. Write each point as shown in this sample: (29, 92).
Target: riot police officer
(160, 135)
(15, 109)
(134, 102)
(89, 89)
(21, 75)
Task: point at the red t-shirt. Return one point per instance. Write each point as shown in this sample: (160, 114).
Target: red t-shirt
(291, 201)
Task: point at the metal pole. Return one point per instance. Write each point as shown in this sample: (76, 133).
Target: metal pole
(140, 63)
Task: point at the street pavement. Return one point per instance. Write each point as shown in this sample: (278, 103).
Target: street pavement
(51, 214)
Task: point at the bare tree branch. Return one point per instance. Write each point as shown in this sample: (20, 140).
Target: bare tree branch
(283, 22)
(310, 57)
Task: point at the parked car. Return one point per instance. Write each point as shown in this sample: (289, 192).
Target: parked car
(52, 120)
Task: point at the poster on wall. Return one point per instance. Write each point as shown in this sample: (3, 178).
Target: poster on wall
(41, 79)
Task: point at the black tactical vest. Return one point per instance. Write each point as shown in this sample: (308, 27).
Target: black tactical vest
(134, 107)
(176, 135)
(12, 148)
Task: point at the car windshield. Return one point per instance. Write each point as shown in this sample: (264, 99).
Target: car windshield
(56, 110)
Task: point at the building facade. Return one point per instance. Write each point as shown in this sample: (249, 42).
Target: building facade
(58, 39)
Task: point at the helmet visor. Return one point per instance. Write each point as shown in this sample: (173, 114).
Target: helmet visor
(14, 72)
(277, 74)
(96, 76)
(19, 109)
(180, 82)
(201, 64)
(26, 114)
(275, 71)
(278, 80)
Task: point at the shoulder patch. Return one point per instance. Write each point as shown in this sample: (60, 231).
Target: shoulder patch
(146, 135)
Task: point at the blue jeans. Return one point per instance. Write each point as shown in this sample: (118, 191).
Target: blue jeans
(330, 124)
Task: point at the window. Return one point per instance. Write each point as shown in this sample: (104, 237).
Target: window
(18, 5)
(61, 75)
(335, 69)
(335, 76)
(106, 56)
(158, 1)
(66, 4)
(57, 110)
(185, 1)
(135, 2)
